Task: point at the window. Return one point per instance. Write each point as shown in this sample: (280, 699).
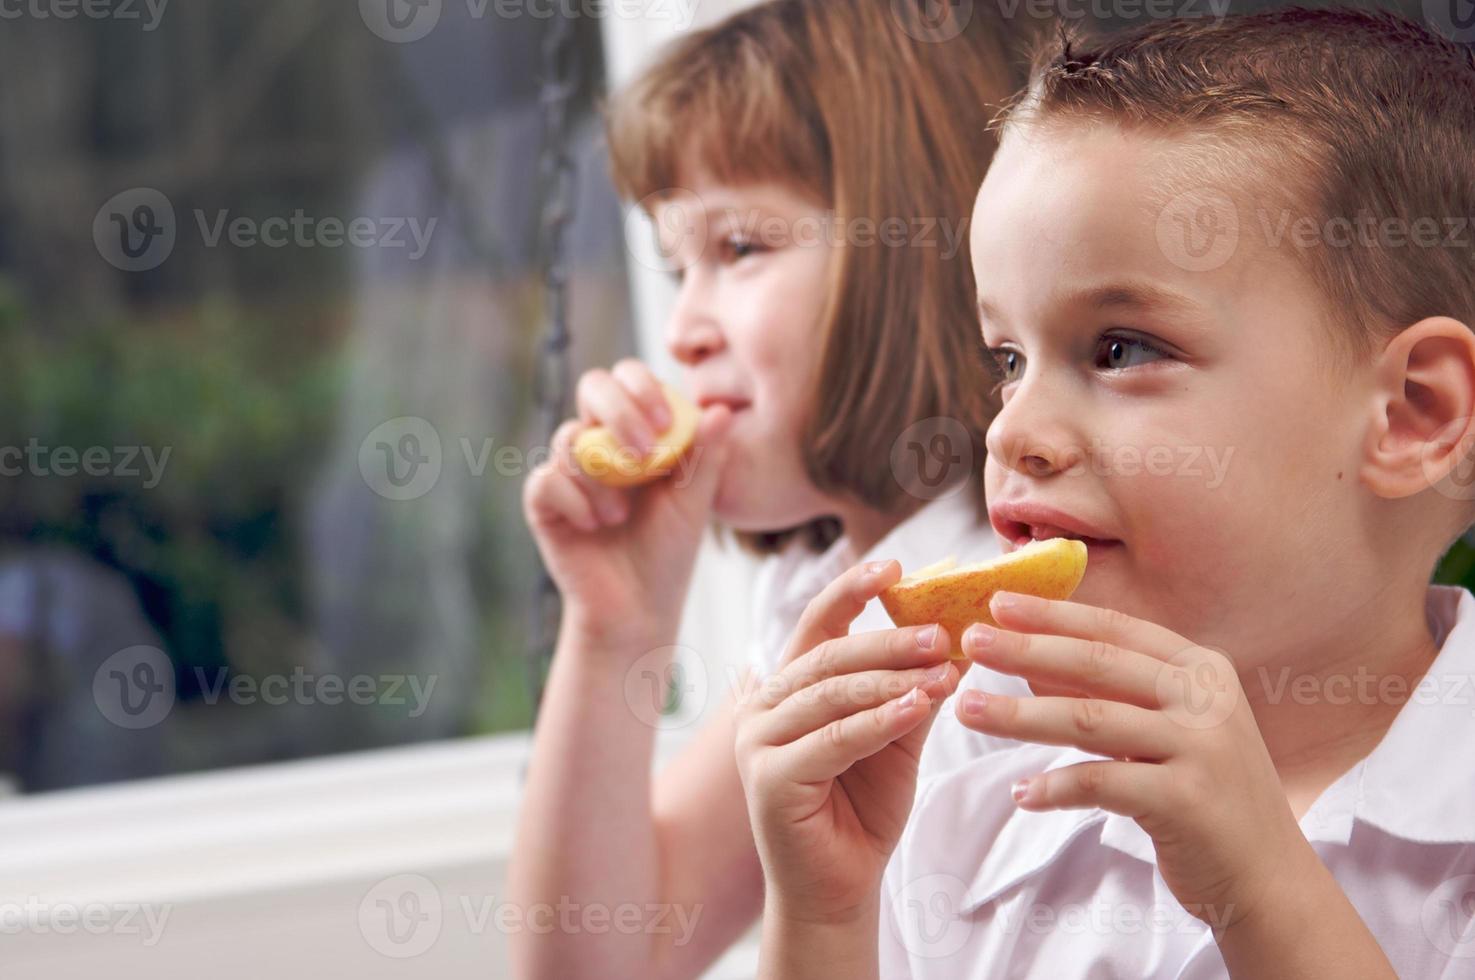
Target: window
(270, 293)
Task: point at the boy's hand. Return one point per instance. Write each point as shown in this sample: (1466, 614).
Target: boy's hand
(828, 747)
(1186, 758)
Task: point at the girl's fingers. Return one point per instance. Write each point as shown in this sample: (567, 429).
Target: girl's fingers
(834, 698)
(645, 388)
(611, 505)
(1131, 789)
(551, 498)
(1031, 614)
(827, 752)
(1065, 663)
(913, 646)
(1107, 728)
(604, 401)
(829, 614)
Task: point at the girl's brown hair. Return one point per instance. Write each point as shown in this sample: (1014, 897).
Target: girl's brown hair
(880, 113)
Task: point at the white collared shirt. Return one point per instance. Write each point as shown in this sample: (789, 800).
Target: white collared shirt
(978, 888)
(787, 581)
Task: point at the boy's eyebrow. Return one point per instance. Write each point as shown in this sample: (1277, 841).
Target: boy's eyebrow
(1115, 295)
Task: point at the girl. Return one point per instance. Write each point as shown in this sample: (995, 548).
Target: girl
(809, 165)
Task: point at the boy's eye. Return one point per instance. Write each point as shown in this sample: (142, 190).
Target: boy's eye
(1118, 353)
(1006, 364)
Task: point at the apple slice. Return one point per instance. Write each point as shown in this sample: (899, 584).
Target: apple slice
(600, 454)
(957, 597)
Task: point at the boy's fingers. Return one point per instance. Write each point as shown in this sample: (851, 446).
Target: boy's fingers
(1110, 728)
(1094, 667)
(836, 697)
(830, 613)
(829, 751)
(1032, 614)
(912, 646)
(1131, 789)
(645, 388)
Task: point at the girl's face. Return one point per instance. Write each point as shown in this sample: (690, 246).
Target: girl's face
(752, 270)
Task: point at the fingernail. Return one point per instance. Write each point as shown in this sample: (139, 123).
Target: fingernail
(939, 673)
(1005, 600)
(974, 702)
(911, 698)
(1019, 790)
(927, 638)
(980, 637)
(875, 568)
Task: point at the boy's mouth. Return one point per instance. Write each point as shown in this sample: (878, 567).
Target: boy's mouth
(1021, 521)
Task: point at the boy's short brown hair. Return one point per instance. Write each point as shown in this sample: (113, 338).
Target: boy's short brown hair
(866, 106)
(1356, 119)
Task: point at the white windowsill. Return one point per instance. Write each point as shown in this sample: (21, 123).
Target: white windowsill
(271, 864)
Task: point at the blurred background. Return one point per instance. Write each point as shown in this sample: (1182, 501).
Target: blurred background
(238, 242)
(272, 294)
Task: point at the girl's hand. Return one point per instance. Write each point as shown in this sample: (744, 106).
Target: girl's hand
(622, 559)
(1186, 758)
(828, 747)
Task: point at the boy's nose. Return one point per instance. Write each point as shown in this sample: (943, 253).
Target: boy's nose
(1031, 434)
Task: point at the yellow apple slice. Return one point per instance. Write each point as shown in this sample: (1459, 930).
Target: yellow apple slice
(956, 597)
(600, 454)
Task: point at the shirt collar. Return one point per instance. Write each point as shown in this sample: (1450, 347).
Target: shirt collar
(1404, 786)
(1417, 783)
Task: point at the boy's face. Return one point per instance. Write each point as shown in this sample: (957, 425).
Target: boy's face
(1174, 401)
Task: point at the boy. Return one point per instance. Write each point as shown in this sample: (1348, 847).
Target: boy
(1249, 752)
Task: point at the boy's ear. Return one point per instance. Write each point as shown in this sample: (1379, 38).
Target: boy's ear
(1423, 429)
